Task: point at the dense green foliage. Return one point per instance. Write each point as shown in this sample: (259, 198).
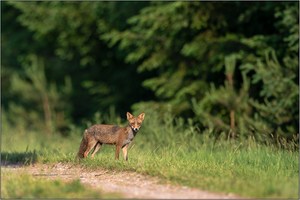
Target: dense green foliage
(226, 67)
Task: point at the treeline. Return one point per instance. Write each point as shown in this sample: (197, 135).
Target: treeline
(230, 67)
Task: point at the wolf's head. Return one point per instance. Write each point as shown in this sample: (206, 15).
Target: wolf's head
(135, 122)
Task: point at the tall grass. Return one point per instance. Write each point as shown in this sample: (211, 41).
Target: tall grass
(177, 153)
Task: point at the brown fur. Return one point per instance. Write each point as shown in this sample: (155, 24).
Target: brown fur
(99, 134)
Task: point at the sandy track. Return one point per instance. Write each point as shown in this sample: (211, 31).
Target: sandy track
(129, 184)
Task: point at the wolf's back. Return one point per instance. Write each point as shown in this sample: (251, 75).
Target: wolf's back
(105, 134)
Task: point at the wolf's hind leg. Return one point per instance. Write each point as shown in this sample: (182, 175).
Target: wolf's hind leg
(118, 147)
(90, 145)
(96, 148)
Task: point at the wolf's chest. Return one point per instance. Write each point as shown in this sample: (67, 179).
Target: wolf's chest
(129, 138)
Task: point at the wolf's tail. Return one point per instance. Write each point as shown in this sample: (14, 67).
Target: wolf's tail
(83, 146)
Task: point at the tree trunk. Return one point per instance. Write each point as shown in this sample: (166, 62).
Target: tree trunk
(232, 123)
(47, 114)
(229, 77)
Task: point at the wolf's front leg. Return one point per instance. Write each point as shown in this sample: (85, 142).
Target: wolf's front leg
(125, 153)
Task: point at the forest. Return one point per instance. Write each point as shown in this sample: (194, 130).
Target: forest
(229, 69)
(218, 83)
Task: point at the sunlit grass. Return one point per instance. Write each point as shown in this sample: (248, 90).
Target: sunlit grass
(21, 185)
(177, 155)
(254, 173)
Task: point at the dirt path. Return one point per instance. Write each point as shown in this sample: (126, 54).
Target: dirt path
(129, 184)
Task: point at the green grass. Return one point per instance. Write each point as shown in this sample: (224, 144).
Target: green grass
(16, 185)
(250, 173)
(178, 155)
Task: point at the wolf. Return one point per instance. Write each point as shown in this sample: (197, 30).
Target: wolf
(99, 134)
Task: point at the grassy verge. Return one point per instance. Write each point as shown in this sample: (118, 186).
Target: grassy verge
(16, 185)
(250, 173)
(178, 155)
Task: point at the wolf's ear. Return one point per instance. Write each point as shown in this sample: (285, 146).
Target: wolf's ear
(142, 116)
(129, 115)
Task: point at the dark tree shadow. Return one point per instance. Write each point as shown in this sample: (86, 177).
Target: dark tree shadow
(18, 158)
